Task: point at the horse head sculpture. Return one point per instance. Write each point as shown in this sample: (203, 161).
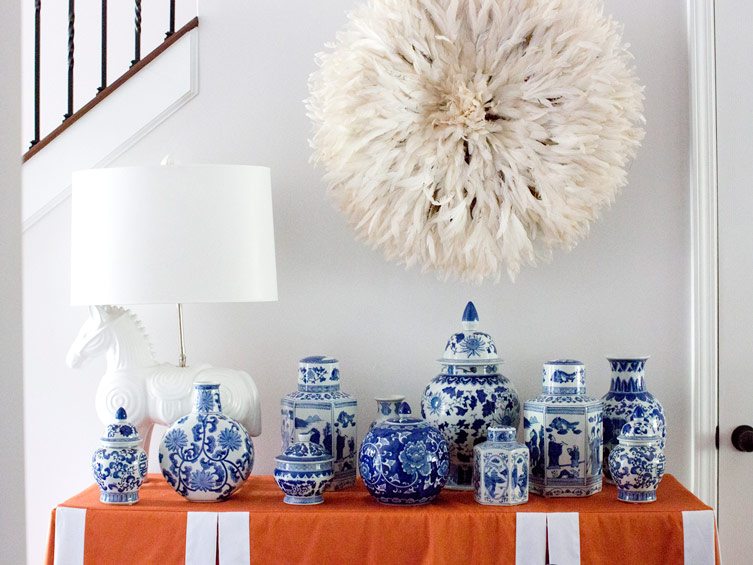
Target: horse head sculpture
(152, 392)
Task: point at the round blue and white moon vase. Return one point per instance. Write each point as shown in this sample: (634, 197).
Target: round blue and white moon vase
(637, 462)
(119, 465)
(562, 429)
(500, 471)
(468, 396)
(627, 390)
(404, 461)
(206, 456)
(304, 471)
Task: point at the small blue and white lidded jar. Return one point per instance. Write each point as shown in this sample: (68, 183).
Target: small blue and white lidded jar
(120, 464)
(562, 429)
(304, 471)
(404, 460)
(468, 396)
(627, 390)
(206, 456)
(320, 407)
(500, 472)
(637, 462)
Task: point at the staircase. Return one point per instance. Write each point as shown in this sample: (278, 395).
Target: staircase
(102, 122)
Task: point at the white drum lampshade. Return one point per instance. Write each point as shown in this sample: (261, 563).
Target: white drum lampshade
(172, 234)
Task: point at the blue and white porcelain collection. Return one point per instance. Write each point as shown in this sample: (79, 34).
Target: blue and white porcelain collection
(120, 463)
(468, 396)
(206, 456)
(320, 407)
(403, 460)
(500, 472)
(637, 462)
(304, 471)
(563, 431)
(465, 440)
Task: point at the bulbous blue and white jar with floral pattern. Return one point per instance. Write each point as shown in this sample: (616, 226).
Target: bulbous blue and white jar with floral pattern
(119, 465)
(627, 391)
(562, 429)
(320, 407)
(404, 460)
(637, 462)
(500, 470)
(468, 396)
(304, 471)
(206, 456)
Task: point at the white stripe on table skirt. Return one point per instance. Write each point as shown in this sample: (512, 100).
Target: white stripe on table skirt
(201, 538)
(530, 538)
(234, 542)
(564, 538)
(69, 535)
(698, 533)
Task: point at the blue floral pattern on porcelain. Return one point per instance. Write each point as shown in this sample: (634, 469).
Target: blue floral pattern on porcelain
(637, 462)
(404, 460)
(500, 473)
(320, 407)
(468, 396)
(563, 431)
(627, 391)
(206, 456)
(120, 464)
(304, 471)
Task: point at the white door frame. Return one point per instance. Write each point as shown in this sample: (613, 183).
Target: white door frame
(704, 250)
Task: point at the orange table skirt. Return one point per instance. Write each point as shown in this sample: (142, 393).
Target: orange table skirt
(351, 527)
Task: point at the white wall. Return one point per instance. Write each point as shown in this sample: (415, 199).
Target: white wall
(12, 508)
(624, 290)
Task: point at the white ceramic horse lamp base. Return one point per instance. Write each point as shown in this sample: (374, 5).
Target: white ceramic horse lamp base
(151, 392)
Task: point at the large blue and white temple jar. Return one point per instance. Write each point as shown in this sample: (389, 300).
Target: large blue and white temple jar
(320, 407)
(562, 429)
(468, 396)
(627, 391)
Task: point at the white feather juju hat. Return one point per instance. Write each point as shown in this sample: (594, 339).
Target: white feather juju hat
(468, 135)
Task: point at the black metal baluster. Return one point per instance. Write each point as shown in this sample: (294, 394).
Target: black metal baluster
(103, 61)
(71, 31)
(172, 20)
(37, 61)
(137, 34)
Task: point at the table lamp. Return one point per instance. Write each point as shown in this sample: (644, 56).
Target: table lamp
(169, 234)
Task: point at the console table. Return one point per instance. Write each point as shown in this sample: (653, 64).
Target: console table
(350, 527)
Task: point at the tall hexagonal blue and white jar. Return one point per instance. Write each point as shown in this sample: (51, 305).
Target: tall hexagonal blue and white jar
(468, 396)
(563, 431)
(320, 407)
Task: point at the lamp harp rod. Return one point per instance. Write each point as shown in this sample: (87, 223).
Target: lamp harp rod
(181, 338)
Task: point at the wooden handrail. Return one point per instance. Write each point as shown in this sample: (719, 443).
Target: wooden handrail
(109, 89)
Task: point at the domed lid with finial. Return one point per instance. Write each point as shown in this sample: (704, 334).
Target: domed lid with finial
(305, 451)
(470, 346)
(121, 433)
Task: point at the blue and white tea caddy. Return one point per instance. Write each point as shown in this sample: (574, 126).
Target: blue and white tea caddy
(468, 396)
(627, 390)
(404, 460)
(562, 429)
(304, 471)
(119, 465)
(206, 456)
(500, 471)
(637, 462)
(320, 407)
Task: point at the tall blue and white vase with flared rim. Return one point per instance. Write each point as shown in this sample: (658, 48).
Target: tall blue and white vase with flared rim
(206, 456)
(627, 391)
(320, 406)
(469, 395)
(637, 462)
(562, 428)
(119, 465)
